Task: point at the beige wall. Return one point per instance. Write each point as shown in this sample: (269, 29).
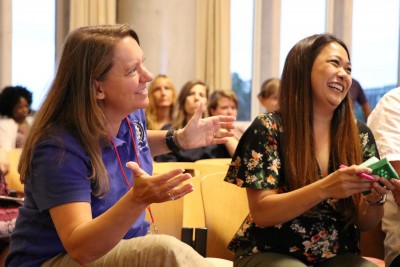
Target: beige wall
(167, 35)
(5, 43)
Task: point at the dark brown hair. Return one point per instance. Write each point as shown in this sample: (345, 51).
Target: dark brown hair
(296, 98)
(181, 114)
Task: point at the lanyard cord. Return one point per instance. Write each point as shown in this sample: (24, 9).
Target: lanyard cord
(138, 162)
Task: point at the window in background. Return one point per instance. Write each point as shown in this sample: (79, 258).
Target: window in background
(33, 46)
(375, 45)
(242, 54)
(300, 19)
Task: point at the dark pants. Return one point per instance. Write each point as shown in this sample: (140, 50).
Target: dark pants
(395, 262)
(280, 260)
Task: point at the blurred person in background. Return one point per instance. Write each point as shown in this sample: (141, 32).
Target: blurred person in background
(193, 94)
(15, 120)
(357, 95)
(162, 99)
(269, 94)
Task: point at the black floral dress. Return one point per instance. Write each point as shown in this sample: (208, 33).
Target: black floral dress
(314, 236)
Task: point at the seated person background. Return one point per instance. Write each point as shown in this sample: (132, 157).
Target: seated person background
(358, 96)
(269, 94)
(15, 120)
(225, 102)
(192, 94)
(162, 99)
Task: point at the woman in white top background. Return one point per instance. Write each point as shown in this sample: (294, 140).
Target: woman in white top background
(15, 120)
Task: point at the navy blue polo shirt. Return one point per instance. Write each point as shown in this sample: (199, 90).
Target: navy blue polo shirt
(59, 175)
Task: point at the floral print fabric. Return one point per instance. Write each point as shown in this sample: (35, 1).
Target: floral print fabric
(314, 236)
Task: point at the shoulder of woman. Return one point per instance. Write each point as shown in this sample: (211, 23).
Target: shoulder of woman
(7, 120)
(8, 124)
(268, 119)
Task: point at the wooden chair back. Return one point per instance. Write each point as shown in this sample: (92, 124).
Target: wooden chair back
(193, 214)
(216, 161)
(225, 208)
(12, 177)
(168, 217)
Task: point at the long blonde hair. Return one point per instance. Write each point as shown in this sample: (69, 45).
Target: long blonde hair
(71, 104)
(151, 109)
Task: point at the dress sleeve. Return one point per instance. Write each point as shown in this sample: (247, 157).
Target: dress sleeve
(368, 142)
(256, 162)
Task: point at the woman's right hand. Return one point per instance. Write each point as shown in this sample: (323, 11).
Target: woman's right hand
(345, 182)
(159, 188)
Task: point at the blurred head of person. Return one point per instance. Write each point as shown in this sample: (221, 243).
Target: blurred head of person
(223, 102)
(192, 94)
(15, 103)
(269, 94)
(162, 99)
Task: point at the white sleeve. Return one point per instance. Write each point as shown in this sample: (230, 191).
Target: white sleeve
(384, 122)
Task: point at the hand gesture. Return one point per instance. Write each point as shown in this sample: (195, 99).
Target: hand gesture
(158, 188)
(200, 132)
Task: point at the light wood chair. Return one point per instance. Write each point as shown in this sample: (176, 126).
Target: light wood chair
(225, 208)
(168, 217)
(193, 214)
(217, 161)
(12, 177)
(193, 211)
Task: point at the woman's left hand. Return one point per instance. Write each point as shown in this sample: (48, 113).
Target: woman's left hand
(378, 191)
(200, 132)
(394, 186)
(158, 188)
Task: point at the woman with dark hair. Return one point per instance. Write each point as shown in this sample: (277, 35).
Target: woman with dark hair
(193, 94)
(225, 102)
(15, 121)
(304, 210)
(87, 162)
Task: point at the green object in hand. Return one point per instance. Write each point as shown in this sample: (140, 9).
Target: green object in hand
(384, 169)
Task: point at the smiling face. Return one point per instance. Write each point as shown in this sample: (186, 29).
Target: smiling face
(330, 77)
(124, 88)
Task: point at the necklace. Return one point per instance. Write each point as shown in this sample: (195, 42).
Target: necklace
(153, 223)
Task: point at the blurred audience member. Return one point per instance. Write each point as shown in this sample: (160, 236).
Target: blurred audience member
(193, 94)
(269, 94)
(15, 120)
(162, 98)
(357, 95)
(225, 102)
